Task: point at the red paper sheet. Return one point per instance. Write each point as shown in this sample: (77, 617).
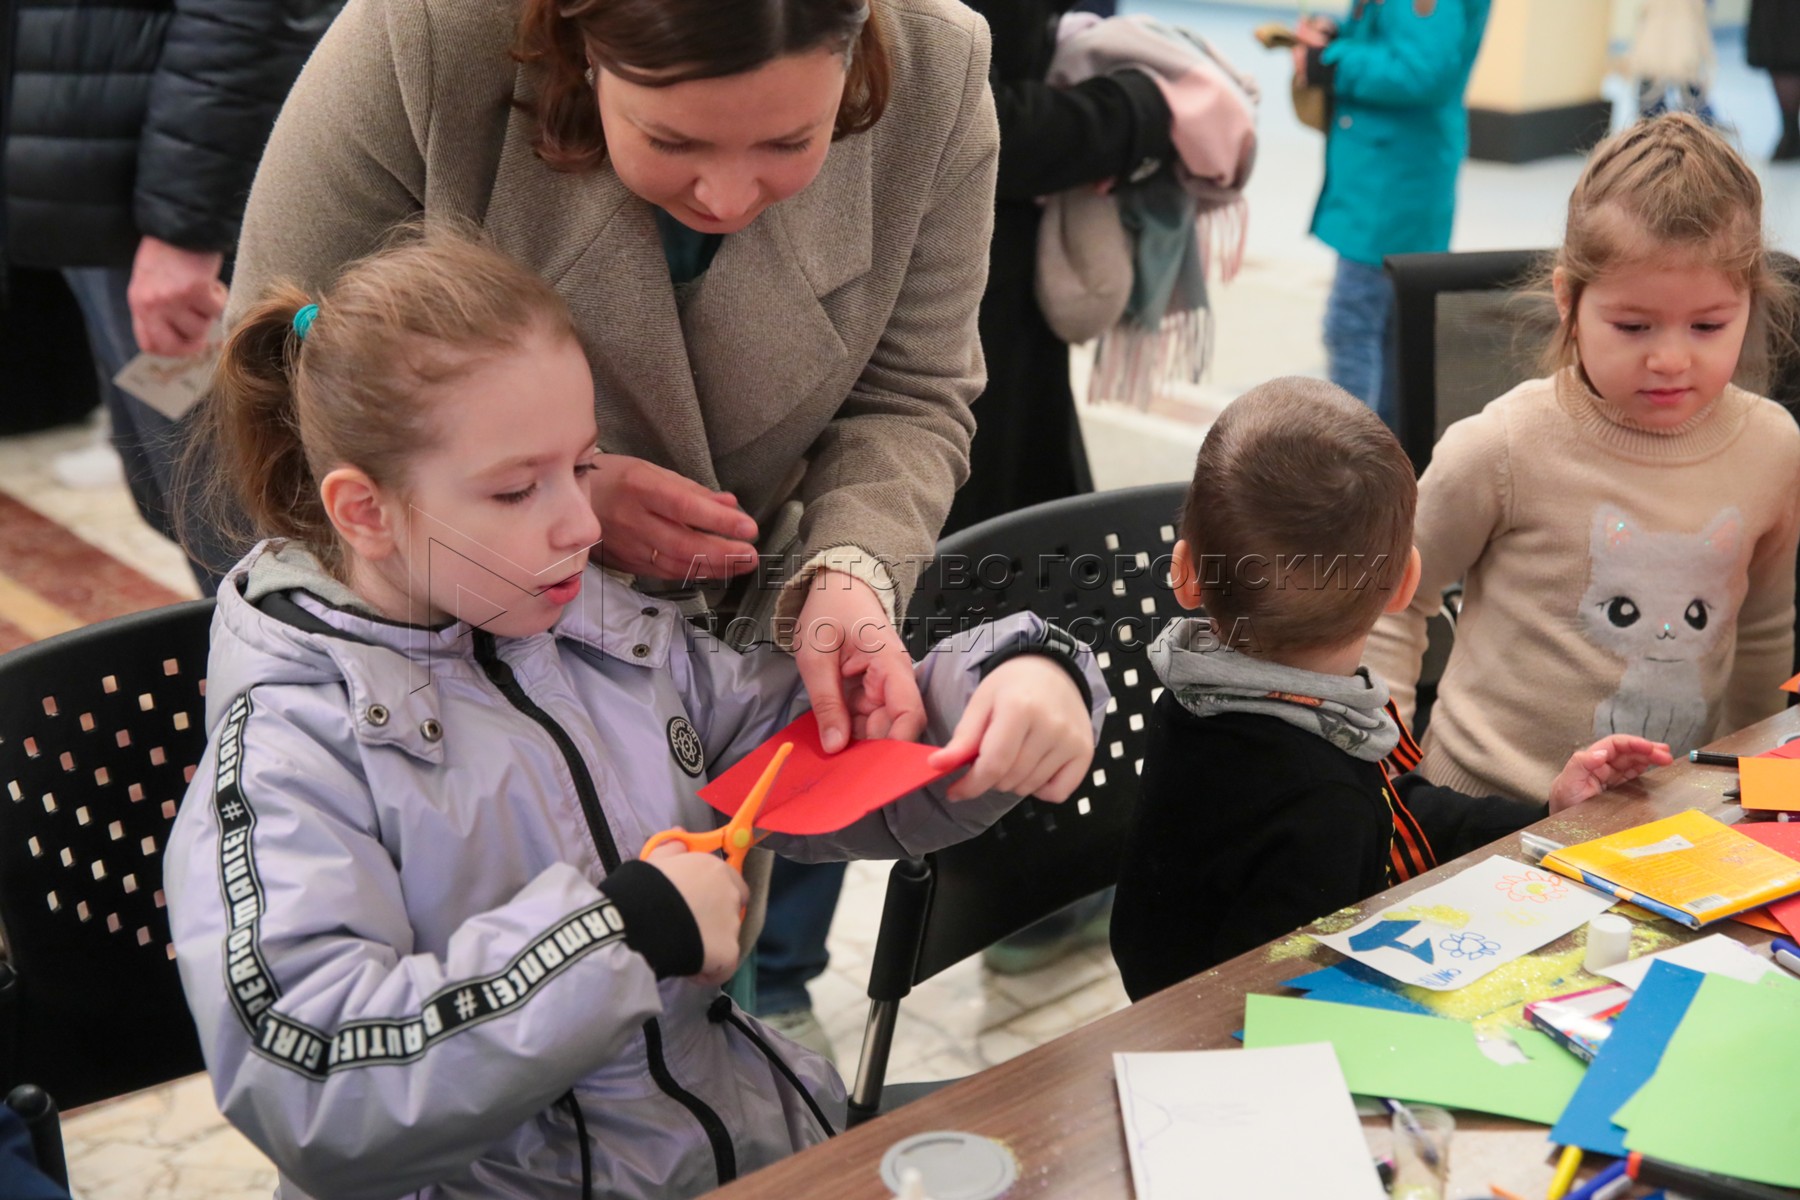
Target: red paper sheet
(1783, 836)
(1791, 750)
(820, 793)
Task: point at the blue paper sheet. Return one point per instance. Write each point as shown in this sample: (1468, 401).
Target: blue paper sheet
(1627, 1059)
(1350, 982)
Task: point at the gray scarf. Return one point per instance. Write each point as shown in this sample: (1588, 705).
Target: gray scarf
(1209, 678)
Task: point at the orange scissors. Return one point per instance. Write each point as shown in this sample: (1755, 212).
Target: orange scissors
(734, 838)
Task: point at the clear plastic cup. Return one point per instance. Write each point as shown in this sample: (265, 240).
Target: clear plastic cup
(1422, 1135)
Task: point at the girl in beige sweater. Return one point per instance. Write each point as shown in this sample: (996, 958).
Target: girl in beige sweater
(1626, 528)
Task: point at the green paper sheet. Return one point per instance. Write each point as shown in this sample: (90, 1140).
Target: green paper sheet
(1782, 980)
(1724, 1097)
(1426, 1059)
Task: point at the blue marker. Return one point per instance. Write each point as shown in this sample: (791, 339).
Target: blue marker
(1598, 1183)
(1787, 954)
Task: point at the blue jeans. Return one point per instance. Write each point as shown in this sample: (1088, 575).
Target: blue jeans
(1357, 315)
(790, 952)
(149, 444)
(1653, 100)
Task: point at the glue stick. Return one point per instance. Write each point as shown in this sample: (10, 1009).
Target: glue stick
(1608, 942)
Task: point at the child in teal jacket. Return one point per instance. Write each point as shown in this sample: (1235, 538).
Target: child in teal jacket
(1398, 132)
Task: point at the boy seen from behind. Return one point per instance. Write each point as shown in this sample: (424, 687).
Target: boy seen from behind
(1277, 784)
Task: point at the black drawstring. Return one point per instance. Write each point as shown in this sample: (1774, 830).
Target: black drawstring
(722, 1010)
(569, 1102)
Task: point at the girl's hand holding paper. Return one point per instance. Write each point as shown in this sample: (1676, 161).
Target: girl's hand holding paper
(1028, 730)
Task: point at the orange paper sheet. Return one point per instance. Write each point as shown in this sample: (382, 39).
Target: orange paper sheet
(820, 793)
(1769, 784)
(1792, 685)
(1761, 918)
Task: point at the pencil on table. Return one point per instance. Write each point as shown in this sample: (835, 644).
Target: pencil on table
(1566, 1166)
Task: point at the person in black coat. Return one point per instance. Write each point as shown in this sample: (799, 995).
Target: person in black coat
(1028, 445)
(131, 133)
(1772, 43)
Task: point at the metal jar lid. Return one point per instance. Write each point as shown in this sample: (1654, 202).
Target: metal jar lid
(954, 1165)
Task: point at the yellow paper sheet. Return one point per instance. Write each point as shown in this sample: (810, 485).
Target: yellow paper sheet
(1689, 863)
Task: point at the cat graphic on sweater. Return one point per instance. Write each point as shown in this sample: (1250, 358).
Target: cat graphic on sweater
(1661, 602)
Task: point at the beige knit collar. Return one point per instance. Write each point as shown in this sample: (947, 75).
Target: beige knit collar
(1708, 430)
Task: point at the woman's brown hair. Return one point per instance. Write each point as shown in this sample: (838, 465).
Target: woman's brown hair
(1663, 187)
(657, 43)
(287, 407)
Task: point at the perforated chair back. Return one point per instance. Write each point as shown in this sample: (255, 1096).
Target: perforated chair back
(1097, 566)
(100, 730)
(1465, 331)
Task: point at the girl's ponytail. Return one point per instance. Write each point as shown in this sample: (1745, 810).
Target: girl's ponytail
(248, 461)
(349, 385)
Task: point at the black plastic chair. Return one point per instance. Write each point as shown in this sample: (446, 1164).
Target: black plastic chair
(100, 730)
(1097, 566)
(1464, 332)
(38, 1111)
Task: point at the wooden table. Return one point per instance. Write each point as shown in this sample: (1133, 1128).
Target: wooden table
(1057, 1108)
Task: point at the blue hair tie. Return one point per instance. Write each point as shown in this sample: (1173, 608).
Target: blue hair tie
(303, 320)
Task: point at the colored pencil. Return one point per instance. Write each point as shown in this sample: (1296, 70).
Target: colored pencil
(1566, 1166)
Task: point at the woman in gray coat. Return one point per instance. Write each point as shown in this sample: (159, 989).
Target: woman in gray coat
(771, 223)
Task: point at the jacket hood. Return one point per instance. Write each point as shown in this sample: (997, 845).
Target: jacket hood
(283, 619)
(1209, 678)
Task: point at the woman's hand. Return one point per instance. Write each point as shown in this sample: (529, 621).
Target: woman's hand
(1609, 761)
(854, 665)
(1311, 34)
(716, 895)
(1029, 731)
(661, 525)
(175, 297)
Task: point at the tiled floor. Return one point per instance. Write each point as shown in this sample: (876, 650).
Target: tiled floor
(172, 1143)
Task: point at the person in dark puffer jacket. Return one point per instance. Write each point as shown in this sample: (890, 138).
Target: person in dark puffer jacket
(131, 133)
(1028, 446)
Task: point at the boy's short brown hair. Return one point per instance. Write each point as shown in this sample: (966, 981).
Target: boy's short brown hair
(1300, 517)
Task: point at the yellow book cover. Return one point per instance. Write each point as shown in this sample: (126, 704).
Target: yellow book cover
(1688, 867)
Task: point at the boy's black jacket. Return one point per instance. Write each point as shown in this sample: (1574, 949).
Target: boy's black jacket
(1248, 827)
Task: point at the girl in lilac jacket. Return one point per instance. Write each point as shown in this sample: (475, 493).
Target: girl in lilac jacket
(420, 947)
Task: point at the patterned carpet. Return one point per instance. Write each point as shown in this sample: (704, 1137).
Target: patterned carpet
(52, 581)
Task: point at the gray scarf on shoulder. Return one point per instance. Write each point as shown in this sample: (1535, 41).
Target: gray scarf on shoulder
(1208, 678)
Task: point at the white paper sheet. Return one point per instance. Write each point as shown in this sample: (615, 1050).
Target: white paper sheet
(171, 386)
(1453, 933)
(1714, 954)
(1271, 1122)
